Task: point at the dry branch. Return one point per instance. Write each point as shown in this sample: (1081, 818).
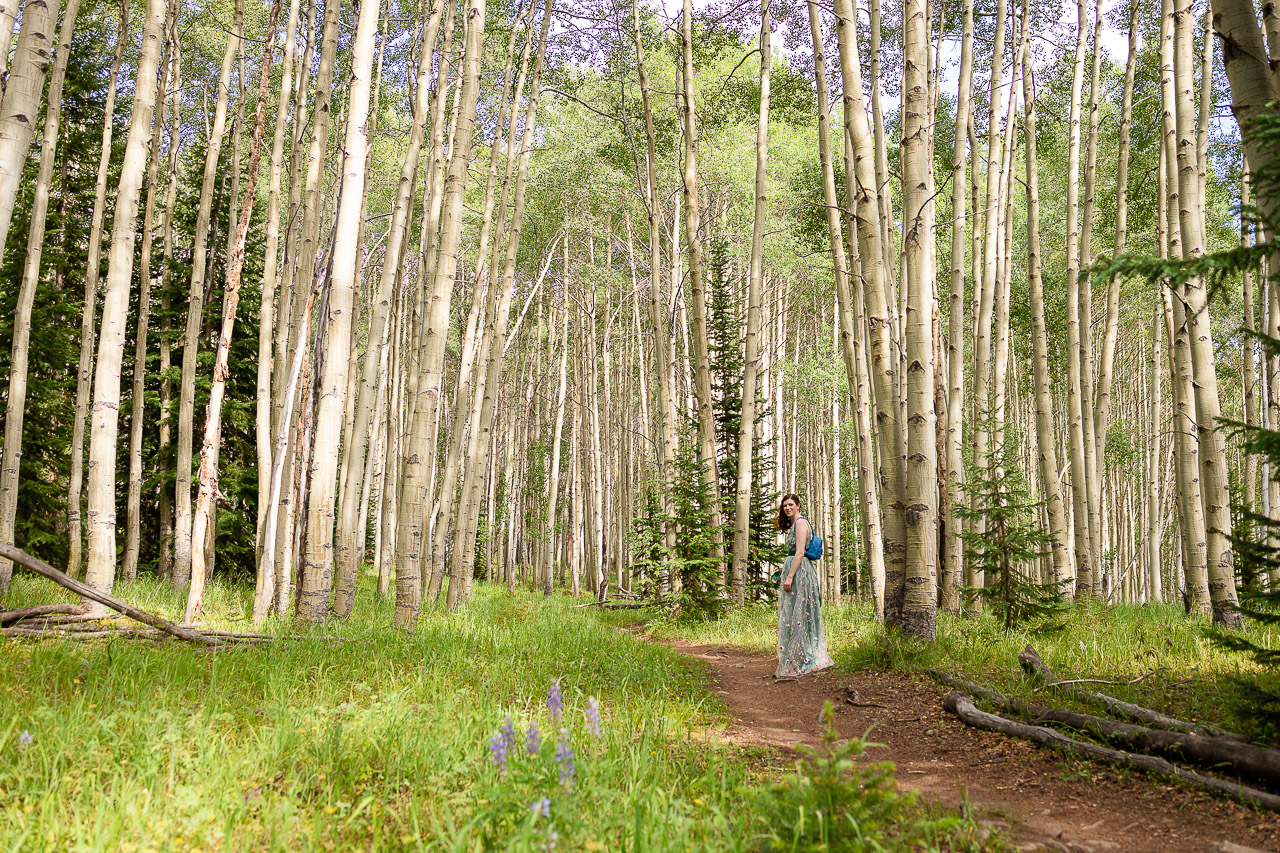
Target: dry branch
(960, 705)
(1243, 758)
(13, 617)
(1038, 669)
(45, 570)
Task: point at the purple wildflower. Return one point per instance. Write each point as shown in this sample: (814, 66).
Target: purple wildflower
(498, 752)
(550, 844)
(555, 702)
(593, 716)
(533, 740)
(564, 757)
(25, 739)
(508, 733)
(541, 808)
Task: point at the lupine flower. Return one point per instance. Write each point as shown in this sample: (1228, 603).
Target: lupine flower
(541, 808)
(533, 740)
(552, 838)
(25, 739)
(498, 751)
(593, 716)
(564, 757)
(508, 733)
(555, 702)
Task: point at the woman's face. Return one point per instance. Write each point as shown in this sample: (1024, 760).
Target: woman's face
(790, 508)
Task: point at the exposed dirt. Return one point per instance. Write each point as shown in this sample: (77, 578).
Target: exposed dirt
(1047, 801)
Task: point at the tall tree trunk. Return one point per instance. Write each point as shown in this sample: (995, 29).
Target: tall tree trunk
(883, 360)
(195, 311)
(217, 390)
(1213, 454)
(747, 425)
(115, 305)
(165, 503)
(697, 297)
(397, 242)
(1045, 433)
(15, 405)
(84, 369)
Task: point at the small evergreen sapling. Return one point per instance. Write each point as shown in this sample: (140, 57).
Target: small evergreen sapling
(1009, 542)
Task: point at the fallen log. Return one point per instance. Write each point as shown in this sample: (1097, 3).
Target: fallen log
(40, 567)
(1035, 667)
(1242, 758)
(960, 705)
(13, 617)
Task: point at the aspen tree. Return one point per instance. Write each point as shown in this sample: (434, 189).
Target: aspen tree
(165, 503)
(115, 304)
(919, 602)
(195, 310)
(268, 317)
(553, 478)
(1045, 453)
(1077, 329)
(1213, 456)
(1249, 352)
(8, 15)
(21, 105)
(208, 485)
(347, 558)
(697, 297)
(1102, 392)
(84, 368)
(882, 360)
(15, 404)
(414, 484)
(317, 561)
(849, 323)
(133, 504)
(1094, 442)
(747, 424)
(953, 555)
(1154, 526)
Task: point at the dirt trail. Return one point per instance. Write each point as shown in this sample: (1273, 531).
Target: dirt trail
(1048, 803)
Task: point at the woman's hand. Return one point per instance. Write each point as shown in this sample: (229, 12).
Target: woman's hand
(786, 583)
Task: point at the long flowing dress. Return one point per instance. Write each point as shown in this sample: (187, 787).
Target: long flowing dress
(802, 646)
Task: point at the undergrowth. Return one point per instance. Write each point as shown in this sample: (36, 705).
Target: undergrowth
(356, 736)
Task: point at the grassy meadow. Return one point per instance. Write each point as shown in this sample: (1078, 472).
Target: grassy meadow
(360, 737)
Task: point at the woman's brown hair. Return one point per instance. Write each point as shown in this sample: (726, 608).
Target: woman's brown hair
(784, 523)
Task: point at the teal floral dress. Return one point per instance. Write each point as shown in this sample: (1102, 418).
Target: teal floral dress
(802, 647)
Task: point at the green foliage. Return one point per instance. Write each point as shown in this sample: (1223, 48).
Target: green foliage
(835, 801)
(1004, 539)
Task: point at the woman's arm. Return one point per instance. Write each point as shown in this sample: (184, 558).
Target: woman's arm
(802, 541)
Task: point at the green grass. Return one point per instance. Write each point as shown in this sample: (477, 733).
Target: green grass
(379, 742)
(1174, 664)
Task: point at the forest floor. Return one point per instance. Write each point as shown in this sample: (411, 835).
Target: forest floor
(1044, 801)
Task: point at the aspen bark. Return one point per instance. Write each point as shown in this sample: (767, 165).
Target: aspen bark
(165, 503)
(15, 405)
(751, 364)
(84, 369)
(208, 487)
(883, 360)
(195, 312)
(106, 386)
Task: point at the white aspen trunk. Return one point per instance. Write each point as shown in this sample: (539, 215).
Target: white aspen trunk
(350, 521)
(1154, 531)
(1094, 442)
(1077, 330)
(195, 313)
(553, 479)
(165, 503)
(21, 105)
(15, 404)
(751, 365)
(881, 356)
(115, 305)
(411, 536)
(84, 369)
(203, 522)
(317, 559)
(697, 298)
(1045, 434)
(133, 503)
(1213, 456)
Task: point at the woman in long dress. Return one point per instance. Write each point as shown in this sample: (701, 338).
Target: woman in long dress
(802, 647)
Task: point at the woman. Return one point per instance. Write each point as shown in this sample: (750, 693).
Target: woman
(802, 647)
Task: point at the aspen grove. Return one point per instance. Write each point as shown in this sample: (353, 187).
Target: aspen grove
(344, 298)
